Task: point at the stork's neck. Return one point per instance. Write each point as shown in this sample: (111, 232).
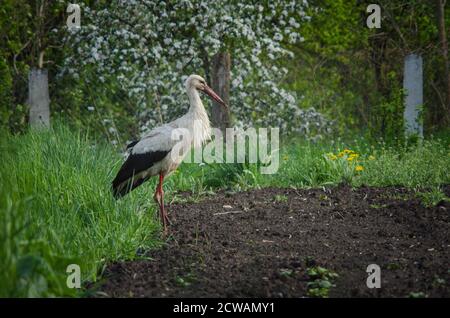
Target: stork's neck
(198, 118)
(197, 109)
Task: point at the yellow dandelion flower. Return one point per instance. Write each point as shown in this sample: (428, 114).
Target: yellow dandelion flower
(350, 158)
(347, 151)
(331, 156)
(359, 168)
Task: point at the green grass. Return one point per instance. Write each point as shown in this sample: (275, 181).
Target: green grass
(307, 164)
(280, 198)
(432, 197)
(56, 207)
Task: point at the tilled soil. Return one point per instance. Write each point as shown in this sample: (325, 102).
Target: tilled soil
(260, 243)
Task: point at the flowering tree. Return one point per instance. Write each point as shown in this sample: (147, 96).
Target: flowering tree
(150, 47)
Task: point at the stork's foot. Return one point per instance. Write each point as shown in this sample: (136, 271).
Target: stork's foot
(165, 233)
(165, 222)
(162, 213)
(166, 218)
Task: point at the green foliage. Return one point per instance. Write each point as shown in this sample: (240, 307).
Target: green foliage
(186, 280)
(280, 198)
(343, 69)
(410, 26)
(331, 69)
(321, 281)
(433, 197)
(312, 164)
(5, 93)
(417, 166)
(354, 74)
(56, 209)
(55, 202)
(417, 295)
(102, 108)
(387, 119)
(308, 164)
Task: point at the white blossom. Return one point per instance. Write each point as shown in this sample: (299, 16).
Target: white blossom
(152, 48)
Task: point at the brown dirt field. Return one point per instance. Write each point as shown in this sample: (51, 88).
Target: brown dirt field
(263, 245)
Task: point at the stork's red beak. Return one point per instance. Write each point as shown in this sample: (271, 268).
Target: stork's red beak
(214, 96)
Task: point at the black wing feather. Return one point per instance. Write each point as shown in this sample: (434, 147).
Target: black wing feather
(132, 144)
(134, 164)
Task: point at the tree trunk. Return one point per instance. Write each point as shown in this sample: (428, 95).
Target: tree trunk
(38, 97)
(220, 82)
(444, 47)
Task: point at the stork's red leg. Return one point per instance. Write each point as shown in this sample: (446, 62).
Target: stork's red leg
(159, 197)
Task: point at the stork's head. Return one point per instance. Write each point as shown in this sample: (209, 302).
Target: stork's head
(197, 82)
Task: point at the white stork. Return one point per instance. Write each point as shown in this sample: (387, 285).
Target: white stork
(151, 155)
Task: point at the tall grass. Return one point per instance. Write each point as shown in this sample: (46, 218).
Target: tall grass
(313, 164)
(56, 207)
(423, 166)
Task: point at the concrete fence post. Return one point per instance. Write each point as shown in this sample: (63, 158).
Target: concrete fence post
(413, 86)
(38, 98)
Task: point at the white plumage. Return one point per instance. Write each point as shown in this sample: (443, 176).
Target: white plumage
(153, 155)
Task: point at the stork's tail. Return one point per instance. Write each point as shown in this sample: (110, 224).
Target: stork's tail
(117, 190)
(120, 189)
